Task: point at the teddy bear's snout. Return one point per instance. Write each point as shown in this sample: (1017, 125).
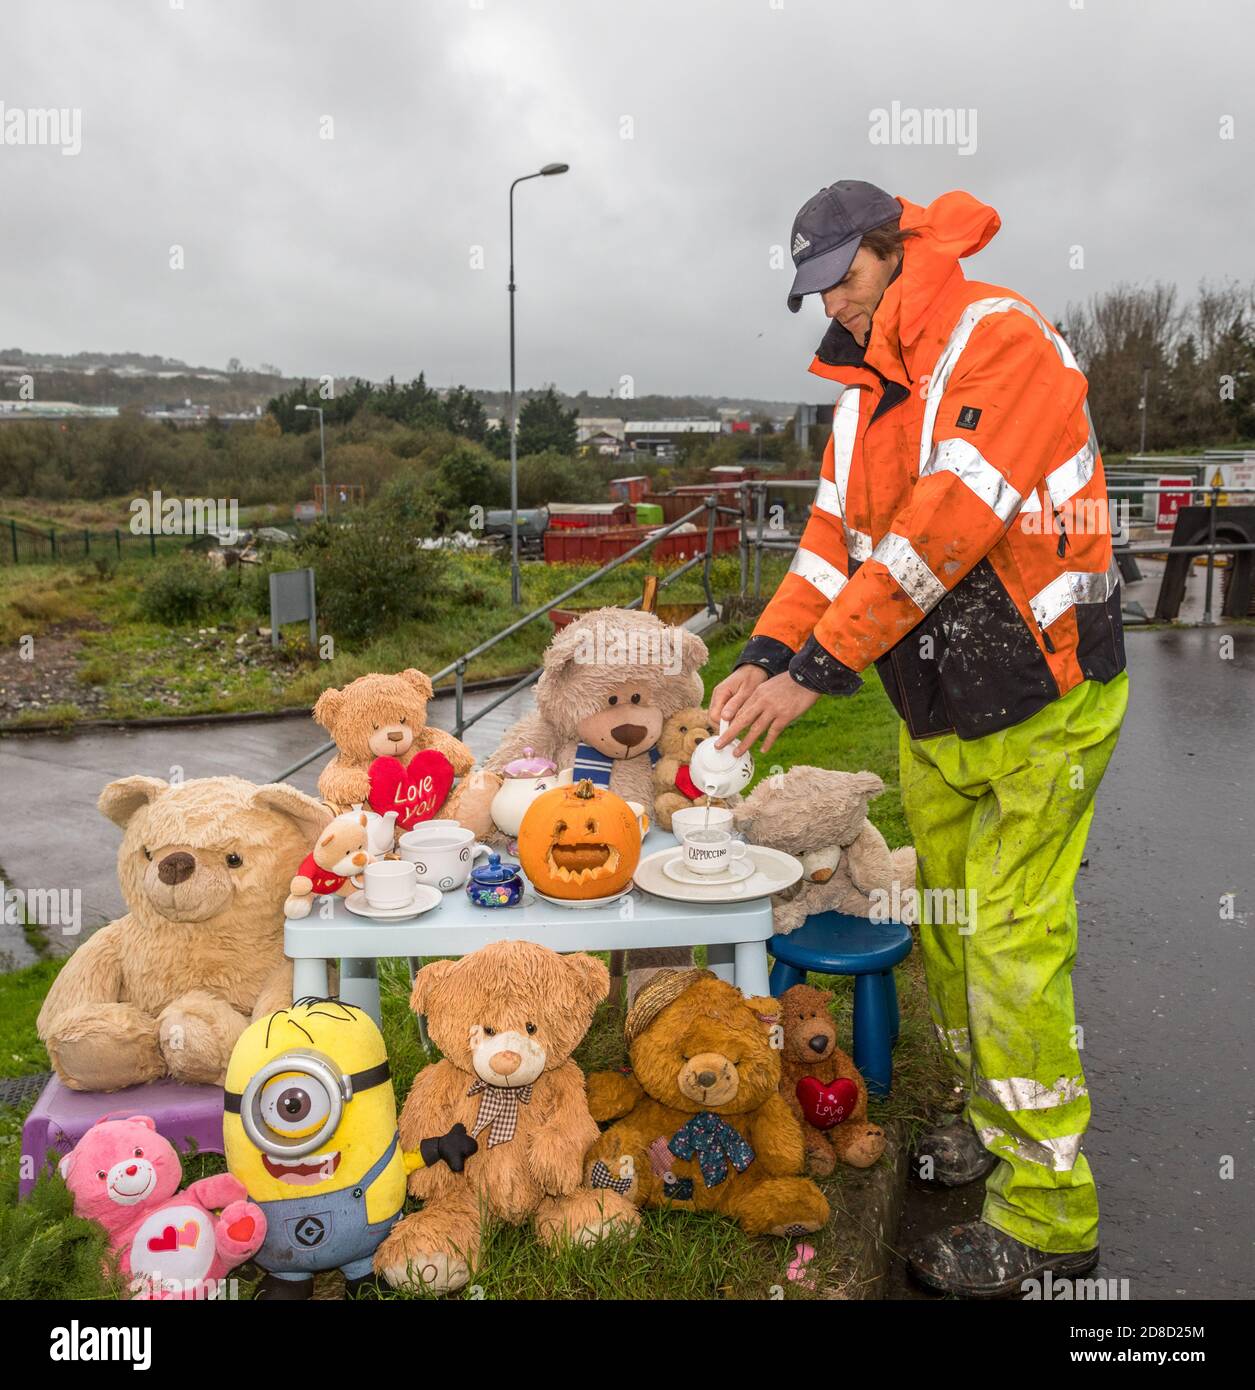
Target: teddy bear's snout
(505, 1063)
(176, 868)
(629, 735)
(709, 1078)
(820, 1044)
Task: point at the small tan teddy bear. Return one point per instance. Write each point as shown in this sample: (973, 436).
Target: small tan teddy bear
(385, 716)
(823, 1087)
(820, 815)
(674, 788)
(333, 866)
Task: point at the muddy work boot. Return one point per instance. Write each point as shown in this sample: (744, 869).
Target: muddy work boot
(976, 1260)
(951, 1154)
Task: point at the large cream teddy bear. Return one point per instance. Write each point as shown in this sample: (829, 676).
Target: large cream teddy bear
(820, 816)
(204, 867)
(611, 680)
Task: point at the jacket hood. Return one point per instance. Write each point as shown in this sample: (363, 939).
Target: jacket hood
(951, 227)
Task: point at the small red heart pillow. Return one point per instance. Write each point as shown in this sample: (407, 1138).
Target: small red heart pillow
(825, 1104)
(415, 791)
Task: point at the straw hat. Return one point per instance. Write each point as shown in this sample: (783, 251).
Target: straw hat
(660, 990)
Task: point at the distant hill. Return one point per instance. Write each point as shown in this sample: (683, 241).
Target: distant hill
(149, 380)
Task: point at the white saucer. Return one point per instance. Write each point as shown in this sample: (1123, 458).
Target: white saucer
(424, 899)
(583, 903)
(774, 871)
(735, 871)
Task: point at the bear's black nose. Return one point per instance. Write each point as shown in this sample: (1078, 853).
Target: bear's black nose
(819, 1043)
(706, 1079)
(629, 735)
(175, 868)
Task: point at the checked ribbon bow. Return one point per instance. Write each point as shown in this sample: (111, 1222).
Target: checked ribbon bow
(498, 1110)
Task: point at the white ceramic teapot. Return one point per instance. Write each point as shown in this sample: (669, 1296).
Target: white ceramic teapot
(381, 831)
(523, 780)
(717, 771)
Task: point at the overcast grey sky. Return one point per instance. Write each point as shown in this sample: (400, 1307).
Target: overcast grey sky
(1098, 124)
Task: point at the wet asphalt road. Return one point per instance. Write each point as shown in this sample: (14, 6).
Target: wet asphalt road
(1163, 980)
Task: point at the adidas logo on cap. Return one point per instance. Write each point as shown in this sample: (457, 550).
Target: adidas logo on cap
(799, 244)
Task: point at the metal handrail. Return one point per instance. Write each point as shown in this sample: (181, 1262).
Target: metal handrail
(457, 668)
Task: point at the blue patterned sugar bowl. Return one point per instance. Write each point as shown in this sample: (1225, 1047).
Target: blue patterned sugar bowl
(495, 884)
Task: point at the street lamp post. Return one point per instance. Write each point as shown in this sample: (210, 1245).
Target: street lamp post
(516, 585)
(322, 452)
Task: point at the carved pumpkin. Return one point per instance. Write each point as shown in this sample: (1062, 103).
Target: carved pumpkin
(579, 841)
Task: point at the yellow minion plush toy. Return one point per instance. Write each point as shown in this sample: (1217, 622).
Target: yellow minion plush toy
(311, 1131)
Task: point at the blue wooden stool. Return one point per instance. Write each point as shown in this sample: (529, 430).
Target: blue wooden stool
(834, 943)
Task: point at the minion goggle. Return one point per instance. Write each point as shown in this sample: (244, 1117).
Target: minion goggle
(294, 1103)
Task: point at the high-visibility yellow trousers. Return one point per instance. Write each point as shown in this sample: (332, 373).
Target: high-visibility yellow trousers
(999, 825)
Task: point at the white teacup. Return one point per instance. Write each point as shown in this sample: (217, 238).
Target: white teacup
(690, 818)
(711, 851)
(389, 883)
(440, 852)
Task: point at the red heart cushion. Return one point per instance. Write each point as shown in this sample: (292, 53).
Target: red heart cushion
(415, 792)
(825, 1104)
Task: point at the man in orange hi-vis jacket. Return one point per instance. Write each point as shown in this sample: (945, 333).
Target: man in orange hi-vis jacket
(960, 539)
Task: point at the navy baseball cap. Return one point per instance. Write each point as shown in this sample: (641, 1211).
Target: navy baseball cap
(827, 232)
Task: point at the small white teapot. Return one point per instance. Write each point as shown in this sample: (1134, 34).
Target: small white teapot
(717, 771)
(381, 831)
(523, 780)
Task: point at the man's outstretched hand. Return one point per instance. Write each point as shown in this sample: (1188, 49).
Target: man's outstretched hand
(756, 704)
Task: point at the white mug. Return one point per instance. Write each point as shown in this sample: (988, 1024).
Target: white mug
(690, 818)
(711, 851)
(389, 883)
(441, 853)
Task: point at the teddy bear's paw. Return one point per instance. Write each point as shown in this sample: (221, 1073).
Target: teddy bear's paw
(434, 1270)
(863, 1151)
(789, 1207)
(193, 1048)
(585, 1216)
(820, 1162)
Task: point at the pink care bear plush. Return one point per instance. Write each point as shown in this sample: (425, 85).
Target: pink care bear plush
(125, 1176)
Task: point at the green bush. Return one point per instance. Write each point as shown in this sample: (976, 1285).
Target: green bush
(184, 589)
(371, 573)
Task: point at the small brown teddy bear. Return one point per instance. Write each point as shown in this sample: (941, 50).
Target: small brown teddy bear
(674, 789)
(507, 1018)
(701, 1124)
(822, 1086)
(204, 868)
(820, 815)
(383, 716)
(333, 866)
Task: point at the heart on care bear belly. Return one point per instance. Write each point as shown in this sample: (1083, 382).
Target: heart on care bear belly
(826, 1104)
(415, 791)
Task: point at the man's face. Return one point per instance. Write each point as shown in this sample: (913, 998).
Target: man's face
(853, 300)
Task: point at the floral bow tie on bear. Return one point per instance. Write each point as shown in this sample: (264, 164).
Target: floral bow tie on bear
(714, 1143)
(498, 1111)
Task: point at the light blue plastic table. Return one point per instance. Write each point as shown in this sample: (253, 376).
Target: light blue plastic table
(735, 935)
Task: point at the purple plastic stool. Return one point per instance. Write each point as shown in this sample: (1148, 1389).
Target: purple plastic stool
(185, 1115)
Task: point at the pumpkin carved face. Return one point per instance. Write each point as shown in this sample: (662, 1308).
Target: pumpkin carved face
(579, 841)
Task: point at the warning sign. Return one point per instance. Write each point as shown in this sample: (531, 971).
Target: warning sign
(1239, 473)
(1168, 504)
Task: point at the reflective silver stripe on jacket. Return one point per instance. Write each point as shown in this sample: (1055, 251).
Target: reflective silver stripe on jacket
(858, 544)
(817, 571)
(1059, 1154)
(1023, 1093)
(1072, 587)
(917, 581)
(953, 350)
(969, 465)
